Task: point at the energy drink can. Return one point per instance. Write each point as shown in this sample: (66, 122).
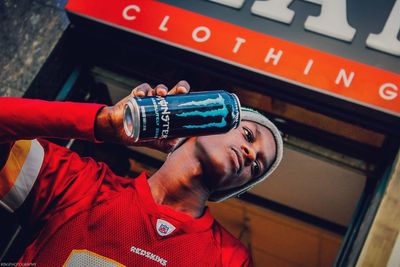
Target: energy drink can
(194, 114)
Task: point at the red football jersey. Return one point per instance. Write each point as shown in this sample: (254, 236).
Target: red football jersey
(81, 213)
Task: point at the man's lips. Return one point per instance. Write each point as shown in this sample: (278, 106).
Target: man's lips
(239, 160)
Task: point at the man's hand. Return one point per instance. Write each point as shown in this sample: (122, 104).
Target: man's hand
(109, 121)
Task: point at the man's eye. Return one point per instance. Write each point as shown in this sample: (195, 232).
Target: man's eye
(255, 168)
(248, 135)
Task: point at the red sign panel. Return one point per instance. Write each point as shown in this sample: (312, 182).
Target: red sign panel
(313, 69)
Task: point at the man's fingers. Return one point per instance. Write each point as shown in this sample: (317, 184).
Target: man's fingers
(142, 90)
(182, 87)
(161, 90)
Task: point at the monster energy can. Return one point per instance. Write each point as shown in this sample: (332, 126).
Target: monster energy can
(199, 113)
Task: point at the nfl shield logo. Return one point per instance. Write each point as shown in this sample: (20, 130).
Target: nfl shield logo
(164, 228)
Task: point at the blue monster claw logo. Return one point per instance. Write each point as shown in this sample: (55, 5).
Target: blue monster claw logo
(223, 111)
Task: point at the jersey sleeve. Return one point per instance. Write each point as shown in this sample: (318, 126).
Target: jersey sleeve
(31, 166)
(29, 119)
(239, 258)
(233, 252)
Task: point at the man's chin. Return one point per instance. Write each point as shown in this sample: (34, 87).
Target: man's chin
(216, 173)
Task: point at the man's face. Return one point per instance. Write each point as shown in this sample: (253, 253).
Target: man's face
(232, 159)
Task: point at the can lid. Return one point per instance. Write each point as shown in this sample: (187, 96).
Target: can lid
(132, 119)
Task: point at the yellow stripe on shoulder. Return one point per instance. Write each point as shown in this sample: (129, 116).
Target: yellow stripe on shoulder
(84, 257)
(13, 166)
(20, 173)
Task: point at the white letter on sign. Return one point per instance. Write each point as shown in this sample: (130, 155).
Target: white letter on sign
(387, 94)
(332, 20)
(274, 9)
(231, 3)
(308, 67)
(276, 57)
(343, 76)
(127, 9)
(163, 24)
(387, 41)
(195, 34)
(239, 42)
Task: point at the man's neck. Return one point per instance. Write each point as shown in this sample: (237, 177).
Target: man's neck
(178, 184)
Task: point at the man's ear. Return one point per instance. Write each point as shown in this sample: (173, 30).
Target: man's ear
(179, 142)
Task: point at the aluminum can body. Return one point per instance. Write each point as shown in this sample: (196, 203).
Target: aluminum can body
(194, 114)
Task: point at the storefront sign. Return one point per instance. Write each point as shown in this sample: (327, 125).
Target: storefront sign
(307, 67)
(331, 22)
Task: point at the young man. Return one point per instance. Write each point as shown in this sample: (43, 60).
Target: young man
(82, 214)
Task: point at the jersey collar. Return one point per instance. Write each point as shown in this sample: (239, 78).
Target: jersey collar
(180, 220)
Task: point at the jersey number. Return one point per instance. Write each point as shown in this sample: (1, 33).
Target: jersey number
(88, 258)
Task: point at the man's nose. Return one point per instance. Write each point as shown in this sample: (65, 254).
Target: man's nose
(249, 154)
